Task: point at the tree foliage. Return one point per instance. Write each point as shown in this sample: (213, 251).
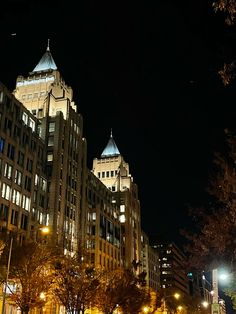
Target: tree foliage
(29, 275)
(120, 288)
(75, 283)
(213, 242)
(228, 8)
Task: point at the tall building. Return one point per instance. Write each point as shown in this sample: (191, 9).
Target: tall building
(113, 171)
(45, 94)
(173, 275)
(44, 179)
(23, 189)
(150, 264)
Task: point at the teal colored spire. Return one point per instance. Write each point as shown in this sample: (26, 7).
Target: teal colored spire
(46, 63)
(111, 148)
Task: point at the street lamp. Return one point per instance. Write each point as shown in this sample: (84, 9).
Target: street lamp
(176, 296)
(145, 309)
(44, 230)
(215, 306)
(7, 275)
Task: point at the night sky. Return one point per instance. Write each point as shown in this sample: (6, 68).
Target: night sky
(149, 72)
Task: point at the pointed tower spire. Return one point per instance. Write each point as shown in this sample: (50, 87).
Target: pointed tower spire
(46, 62)
(48, 49)
(111, 149)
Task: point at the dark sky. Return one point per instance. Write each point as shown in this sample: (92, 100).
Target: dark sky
(149, 72)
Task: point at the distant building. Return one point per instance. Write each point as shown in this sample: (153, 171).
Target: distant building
(150, 263)
(172, 267)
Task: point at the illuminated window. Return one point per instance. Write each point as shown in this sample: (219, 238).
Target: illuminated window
(16, 197)
(6, 191)
(43, 184)
(50, 141)
(32, 124)
(122, 218)
(8, 171)
(36, 180)
(51, 127)
(18, 177)
(122, 208)
(50, 156)
(25, 118)
(26, 202)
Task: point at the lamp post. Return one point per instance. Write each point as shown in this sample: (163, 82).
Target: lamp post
(176, 296)
(215, 297)
(44, 230)
(7, 275)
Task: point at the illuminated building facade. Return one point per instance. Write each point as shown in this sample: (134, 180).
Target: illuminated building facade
(45, 94)
(23, 190)
(103, 229)
(44, 179)
(113, 171)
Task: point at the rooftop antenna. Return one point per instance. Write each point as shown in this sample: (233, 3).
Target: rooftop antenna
(48, 49)
(111, 132)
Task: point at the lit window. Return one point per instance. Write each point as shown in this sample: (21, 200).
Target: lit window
(8, 171)
(50, 140)
(122, 218)
(32, 124)
(43, 184)
(18, 177)
(36, 179)
(122, 208)
(51, 127)
(16, 197)
(26, 202)
(6, 191)
(25, 117)
(50, 157)
(93, 216)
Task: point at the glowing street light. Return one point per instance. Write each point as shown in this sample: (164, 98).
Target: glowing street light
(176, 296)
(205, 304)
(45, 230)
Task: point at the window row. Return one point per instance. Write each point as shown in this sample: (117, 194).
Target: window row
(11, 153)
(107, 174)
(17, 175)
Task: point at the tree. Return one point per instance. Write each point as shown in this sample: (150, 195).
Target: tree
(29, 275)
(75, 283)
(120, 288)
(213, 242)
(228, 7)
